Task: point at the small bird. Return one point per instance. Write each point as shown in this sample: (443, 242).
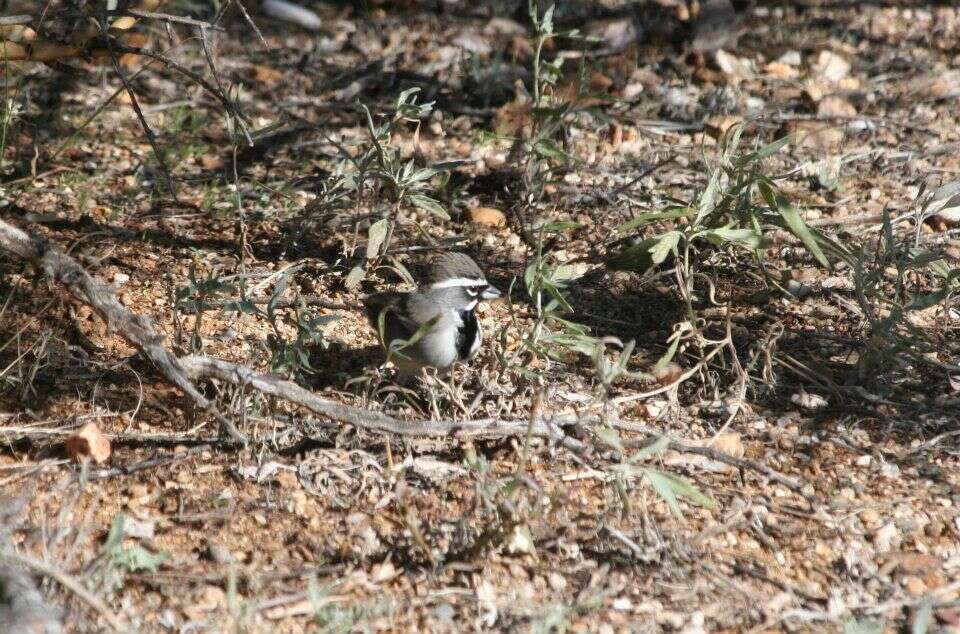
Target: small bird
(434, 326)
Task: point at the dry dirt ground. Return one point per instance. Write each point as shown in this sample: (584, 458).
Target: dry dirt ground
(317, 526)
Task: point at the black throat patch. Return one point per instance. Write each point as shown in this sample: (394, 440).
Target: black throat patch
(466, 334)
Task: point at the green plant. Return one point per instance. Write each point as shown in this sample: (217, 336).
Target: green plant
(894, 281)
(109, 569)
(545, 281)
(9, 114)
(549, 114)
(289, 357)
(504, 507)
(377, 167)
(292, 357)
(670, 487)
(328, 616)
(197, 297)
(736, 210)
(739, 205)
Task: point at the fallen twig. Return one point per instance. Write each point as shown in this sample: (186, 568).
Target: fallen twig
(199, 366)
(147, 464)
(137, 330)
(71, 584)
(283, 302)
(742, 463)
(715, 454)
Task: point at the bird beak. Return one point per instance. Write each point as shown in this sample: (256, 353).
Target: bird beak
(490, 292)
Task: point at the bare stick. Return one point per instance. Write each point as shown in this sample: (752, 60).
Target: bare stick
(14, 20)
(137, 330)
(151, 137)
(742, 463)
(176, 19)
(283, 302)
(198, 366)
(70, 583)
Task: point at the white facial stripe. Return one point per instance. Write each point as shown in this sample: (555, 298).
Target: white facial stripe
(472, 305)
(459, 281)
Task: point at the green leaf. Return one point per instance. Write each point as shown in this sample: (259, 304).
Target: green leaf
(405, 97)
(426, 173)
(244, 306)
(546, 22)
(708, 200)
(671, 487)
(793, 222)
(115, 535)
(919, 258)
(667, 356)
(920, 302)
(749, 237)
(865, 626)
(398, 345)
(664, 489)
(548, 149)
(569, 272)
(429, 205)
(767, 150)
(731, 140)
(559, 225)
(376, 234)
(644, 255)
(669, 214)
(655, 448)
(610, 436)
(278, 289)
(665, 244)
(137, 558)
(354, 277)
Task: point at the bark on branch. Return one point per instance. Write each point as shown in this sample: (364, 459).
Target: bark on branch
(137, 330)
(198, 366)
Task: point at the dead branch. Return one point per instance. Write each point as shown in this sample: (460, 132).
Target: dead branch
(137, 330)
(199, 366)
(22, 607)
(743, 463)
(151, 137)
(282, 302)
(716, 455)
(70, 583)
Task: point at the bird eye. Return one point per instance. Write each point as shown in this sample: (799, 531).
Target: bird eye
(473, 291)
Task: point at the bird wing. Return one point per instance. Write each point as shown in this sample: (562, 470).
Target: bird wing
(392, 305)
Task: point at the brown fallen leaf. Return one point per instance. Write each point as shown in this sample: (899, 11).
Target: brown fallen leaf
(514, 117)
(211, 162)
(730, 444)
(781, 70)
(668, 373)
(487, 216)
(814, 135)
(88, 441)
(717, 125)
(266, 75)
(834, 106)
(133, 40)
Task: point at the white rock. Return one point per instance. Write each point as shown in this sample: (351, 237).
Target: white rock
(886, 538)
(289, 12)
